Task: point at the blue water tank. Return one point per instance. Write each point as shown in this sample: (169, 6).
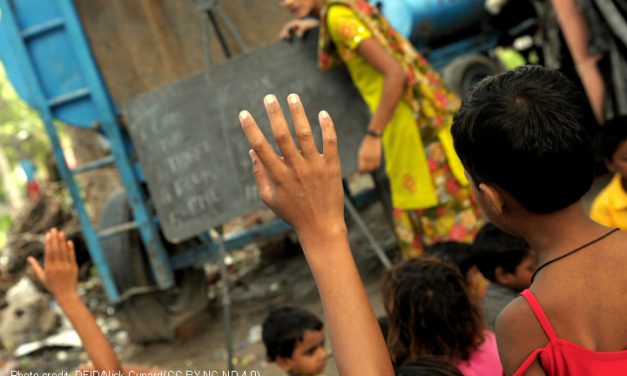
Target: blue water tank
(424, 20)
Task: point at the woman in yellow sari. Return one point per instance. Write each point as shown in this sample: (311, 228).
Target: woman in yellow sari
(412, 111)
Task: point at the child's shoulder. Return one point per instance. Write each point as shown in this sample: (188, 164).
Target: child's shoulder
(616, 248)
(518, 334)
(515, 320)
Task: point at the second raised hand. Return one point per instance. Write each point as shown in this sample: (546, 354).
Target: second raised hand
(304, 188)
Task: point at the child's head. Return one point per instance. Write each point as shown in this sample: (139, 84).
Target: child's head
(294, 339)
(503, 258)
(614, 145)
(430, 311)
(428, 366)
(520, 135)
(462, 256)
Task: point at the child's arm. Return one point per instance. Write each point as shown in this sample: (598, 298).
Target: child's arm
(60, 276)
(305, 189)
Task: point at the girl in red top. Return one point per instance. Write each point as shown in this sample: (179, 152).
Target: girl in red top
(521, 138)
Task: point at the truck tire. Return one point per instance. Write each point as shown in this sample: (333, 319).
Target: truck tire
(465, 71)
(123, 251)
(155, 315)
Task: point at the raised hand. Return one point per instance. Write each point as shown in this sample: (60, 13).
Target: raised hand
(60, 276)
(304, 187)
(60, 272)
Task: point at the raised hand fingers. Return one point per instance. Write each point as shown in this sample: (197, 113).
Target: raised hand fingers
(259, 144)
(51, 253)
(329, 138)
(302, 127)
(63, 250)
(39, 271)
(261, 178)
(71, 253)
(280, 129)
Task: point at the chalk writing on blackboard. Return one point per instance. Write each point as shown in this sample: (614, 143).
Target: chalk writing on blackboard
(190, 144)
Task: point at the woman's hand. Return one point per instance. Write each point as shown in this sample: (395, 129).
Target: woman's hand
(369, 154)
(60, 272)
(302, 187)
(298, 27)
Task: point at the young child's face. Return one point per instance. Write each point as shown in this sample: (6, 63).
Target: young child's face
(476, 283)
(521, 278)
(309, 356)
(618, 163)
(299, 8)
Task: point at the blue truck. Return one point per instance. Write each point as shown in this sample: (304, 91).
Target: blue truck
(152, 281)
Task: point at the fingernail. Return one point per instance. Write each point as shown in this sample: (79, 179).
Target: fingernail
(253, 156)
(243, 114)
(269, 99)
(292, 98)
(324, 114)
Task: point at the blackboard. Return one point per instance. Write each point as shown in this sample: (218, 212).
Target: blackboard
(191, 146)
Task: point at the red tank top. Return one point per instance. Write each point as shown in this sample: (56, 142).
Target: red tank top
(561, 357)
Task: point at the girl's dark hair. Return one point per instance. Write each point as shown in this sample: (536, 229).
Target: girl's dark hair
(523, 131)
(430, 311)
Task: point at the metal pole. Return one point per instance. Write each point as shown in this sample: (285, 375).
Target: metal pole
(352, 211)
(231, 26)
(226, 298)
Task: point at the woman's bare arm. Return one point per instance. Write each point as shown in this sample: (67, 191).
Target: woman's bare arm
(393, 87)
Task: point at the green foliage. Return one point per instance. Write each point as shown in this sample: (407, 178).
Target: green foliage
(22, 135)
(510, 58)
(5, 225)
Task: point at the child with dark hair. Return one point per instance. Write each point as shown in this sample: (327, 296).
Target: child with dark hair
(610, 206)
(294, 339)
(529, 159)
(431, 313)
(428, 366)
(508, 262)
(462, 256)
